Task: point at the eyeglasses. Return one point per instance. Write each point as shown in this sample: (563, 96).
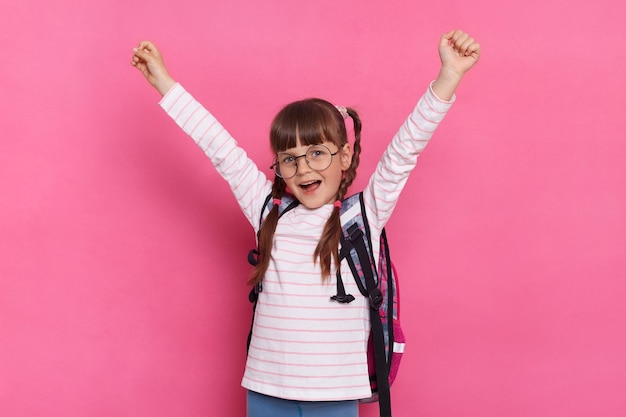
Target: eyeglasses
(317, 157)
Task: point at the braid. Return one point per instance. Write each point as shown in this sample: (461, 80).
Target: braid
(266, 235)
(326, 249)
(356, 151)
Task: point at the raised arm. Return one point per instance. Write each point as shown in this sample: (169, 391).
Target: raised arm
(458, 52)
(248, 184)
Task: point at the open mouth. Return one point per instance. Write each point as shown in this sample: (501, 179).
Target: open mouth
(310, 186)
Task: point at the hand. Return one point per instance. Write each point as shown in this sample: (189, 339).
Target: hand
(458, 52)
(148, 60)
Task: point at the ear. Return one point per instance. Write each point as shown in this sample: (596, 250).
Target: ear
(345, 156)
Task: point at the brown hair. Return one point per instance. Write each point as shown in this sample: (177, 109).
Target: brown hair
(309, 122)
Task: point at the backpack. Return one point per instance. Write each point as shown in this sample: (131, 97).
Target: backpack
(375, 280)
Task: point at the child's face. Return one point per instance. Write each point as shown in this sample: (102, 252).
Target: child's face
(315, 188)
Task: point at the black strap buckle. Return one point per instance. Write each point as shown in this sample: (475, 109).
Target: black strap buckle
(253, 257)
(344, 299)
(376, 299)
(354, 233)
(254, 293)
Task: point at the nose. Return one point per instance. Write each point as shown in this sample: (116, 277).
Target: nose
(305, 167)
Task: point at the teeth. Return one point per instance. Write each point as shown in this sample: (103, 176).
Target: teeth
(306, 185)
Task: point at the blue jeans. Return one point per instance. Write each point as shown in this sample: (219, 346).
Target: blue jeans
(260, 405)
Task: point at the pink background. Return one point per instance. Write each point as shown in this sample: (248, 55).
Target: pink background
(122, 254)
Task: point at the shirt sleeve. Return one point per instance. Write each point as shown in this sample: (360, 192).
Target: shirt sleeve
(247, 182)
(400, 157)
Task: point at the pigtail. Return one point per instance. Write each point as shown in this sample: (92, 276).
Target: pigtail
(350, 174)
(266, 235)
(327, 248)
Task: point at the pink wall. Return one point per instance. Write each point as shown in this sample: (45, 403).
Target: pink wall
(122, 254)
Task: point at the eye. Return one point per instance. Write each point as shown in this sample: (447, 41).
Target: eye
(286, 159)
(318, 152)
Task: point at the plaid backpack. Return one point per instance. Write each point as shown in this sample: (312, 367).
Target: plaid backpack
(375, 280)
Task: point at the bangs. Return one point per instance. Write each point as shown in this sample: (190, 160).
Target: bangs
(306, 122)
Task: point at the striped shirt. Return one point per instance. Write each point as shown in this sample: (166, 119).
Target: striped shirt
(305, 346)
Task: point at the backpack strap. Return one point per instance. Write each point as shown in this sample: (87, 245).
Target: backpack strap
(355, 243)
(286, 203)
(384, 261)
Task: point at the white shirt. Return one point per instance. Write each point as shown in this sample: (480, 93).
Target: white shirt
(305, 346)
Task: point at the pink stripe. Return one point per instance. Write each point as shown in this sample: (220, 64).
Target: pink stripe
(241, 196)
(302, 376)
(294, 272)
(305, 319)
(253, 200)
(250, 187)
(429, 104)
(383, 202)
(234, 161)
(184, 124)
(294, 283)
(223, 144)
(175, 100)
(310, 223)
(349, 307)
(305, 244)
(420, 111)
(325, 387)
(396, 150)
(183, 108)
(288, 294)
(204, 134)
(418, 127)
(309, 365)
(283, 329)
(200, 122)
(412, 139)
(370, 207)
(430, 95)
(294, 260)
(286, 352)
(309, 342)
(387, 191)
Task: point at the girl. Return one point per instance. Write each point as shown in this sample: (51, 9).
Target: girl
(307, 354)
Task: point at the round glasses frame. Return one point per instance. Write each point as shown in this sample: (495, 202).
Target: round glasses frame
(317, 157)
